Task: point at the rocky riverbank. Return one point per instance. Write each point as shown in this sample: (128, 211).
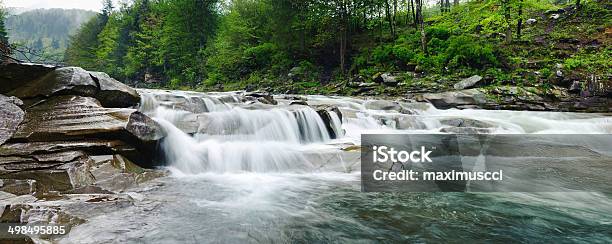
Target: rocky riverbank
(69, 137)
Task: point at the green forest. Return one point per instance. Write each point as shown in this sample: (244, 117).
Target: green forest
(42, 35)
(342, 46)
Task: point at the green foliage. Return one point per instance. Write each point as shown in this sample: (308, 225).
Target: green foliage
(3, 33)
(164, 39)
(300, 45)
(82, 46)
(596, 62)
(469, 52)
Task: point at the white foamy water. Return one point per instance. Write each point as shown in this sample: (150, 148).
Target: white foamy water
(230, 133)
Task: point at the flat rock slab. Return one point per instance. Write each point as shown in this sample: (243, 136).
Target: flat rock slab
(71, 117)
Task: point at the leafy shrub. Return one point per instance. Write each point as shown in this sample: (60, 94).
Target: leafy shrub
(403, 54)
(439, 33)
(436, 45)
(467, 51)
(382, 54)
(260, 56)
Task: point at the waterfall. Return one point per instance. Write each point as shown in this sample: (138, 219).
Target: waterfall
(230, 136)
(224, 132)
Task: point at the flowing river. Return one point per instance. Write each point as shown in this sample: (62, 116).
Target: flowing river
(243, 171)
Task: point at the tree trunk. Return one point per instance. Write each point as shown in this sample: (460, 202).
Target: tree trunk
(413, 13)
(419, 13)
(343, 34)
(508, 19)
(389, 18)
(519, 22)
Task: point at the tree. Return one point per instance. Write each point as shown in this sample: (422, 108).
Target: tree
(507, 19)
(420, 20)
(82, 46)
(519, 22)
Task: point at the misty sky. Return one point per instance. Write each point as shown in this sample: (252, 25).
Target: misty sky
(94, 5)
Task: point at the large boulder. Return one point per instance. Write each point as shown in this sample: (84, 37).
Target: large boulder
(10, 117)
(14, 75)
(47, 81)
(68, 80)
(114, 94)
(386, 78)
(468, 82)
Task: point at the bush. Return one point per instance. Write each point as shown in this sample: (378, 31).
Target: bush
(467, 51)
(436, 45)
(439, 33)
(403, 54)
(260, 56)
(382, 54)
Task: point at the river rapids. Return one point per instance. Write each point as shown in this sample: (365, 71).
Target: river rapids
(242, 171)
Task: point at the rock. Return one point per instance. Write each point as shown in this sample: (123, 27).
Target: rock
(576, 87)
(145, 134)
(265, 98)
(10, 117)
(62, 81)
(466, 130)
(531, 21)
(465, 122)
(559, 73)
(468, 82)
(114, 94)
(299, 103)
(71, 117)
(382, 105)
(14, 75)
(92, 147)
(362, 90)
(83, 118)
(57, 171)
(324, 112)
(453, 99)
(386, 79)
(18, 187)
(554, 16)
(409, 123)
